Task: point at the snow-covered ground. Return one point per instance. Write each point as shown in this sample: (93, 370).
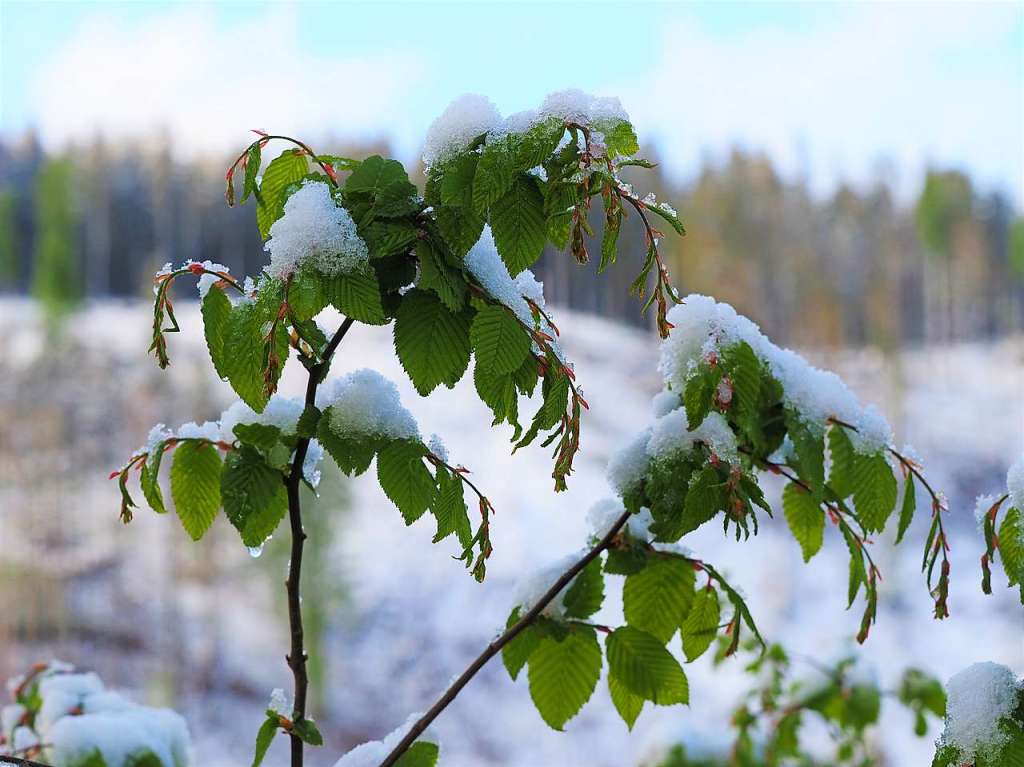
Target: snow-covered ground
(201, 626)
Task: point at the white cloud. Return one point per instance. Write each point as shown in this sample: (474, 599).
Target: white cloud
(208, 85)
(909, 83)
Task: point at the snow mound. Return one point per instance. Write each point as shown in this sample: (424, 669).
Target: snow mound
(978, 698)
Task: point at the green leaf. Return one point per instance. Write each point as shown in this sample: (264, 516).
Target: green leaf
(380, 177)
(518, 223)
(352, 454)
(810, 454)
(405, 479)
(432, 343)
(495, 173)
(539, 143)
(620, 138)
(844, 461)
(438, 276)
(460, 227)
(268, 730)
(357, 295)
(457, 181)
(253, 494)
(699, 393)
(584, 597)
(704, 499)
(499, 341)
(1011, 545)
(517, 652)
(701, 625)
(645, 667)
(252, 170)
(907, 508)
(627, 703)
(259, 435)
(875, 491)
(805, 517)
(308, 421)
(306, 295)
(243, 360)
(657, 598)
(195, 486)
(563, 674)
(150, 480)
(420, 754)
(288, 168)
(307, 731)
(92, 758)
(449, 508)
(216, 308)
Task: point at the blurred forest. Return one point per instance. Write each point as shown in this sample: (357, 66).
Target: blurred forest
(858, 268)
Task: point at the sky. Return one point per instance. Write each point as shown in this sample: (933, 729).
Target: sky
(830, 91)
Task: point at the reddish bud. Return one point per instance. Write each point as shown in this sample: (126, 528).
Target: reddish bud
(114, 473)
(196, 269)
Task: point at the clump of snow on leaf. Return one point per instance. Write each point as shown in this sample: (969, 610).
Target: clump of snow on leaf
(1015, 484)
(533, 586)
(977, 699)
(627, 467)
(982, 505)
(605, 513)
(664, 402)
(374, 752)
(314, 231)
(704, 327)
(365, 403)
(670, 436)
(469, 116)
(581, 107)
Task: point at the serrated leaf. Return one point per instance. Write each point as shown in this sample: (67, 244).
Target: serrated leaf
(627, 703)
(405, 479)
(195, 486)
(352, 454)
(584, 597)
(288, 168)
(357, 295)
(805, 517)
(307, 731)
(701, 625)
(1011, 545)
(244, 352)
(449, 508)
(657, 598)
(379, 176)
(518, 223)
(306, 294)
(252, 170)
(620, 138)
(259, 435)
(432, 343)
(704, 499)
(645, 667)
(874, 491)
(460, 227)
(810, 454)
(517, 652)
(253, 494)
(436, 275)
(495, 172)
(499, 342)
(563, 674)
(907, 508)
(149, 480)
(698, 395)
(215, 309)
(456, 187)
(538, 143)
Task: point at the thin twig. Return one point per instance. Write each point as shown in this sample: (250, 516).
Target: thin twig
(495, 647)
(297, 656)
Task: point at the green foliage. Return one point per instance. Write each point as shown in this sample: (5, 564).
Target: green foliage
(253, 494)
(420, 754)
(584, 597)
(658, 597)
(644, 667)
(563, 672)
(518, 222)
(405, 479)
(701, 625)
(432, 342)
(265, 736)
(499, 342)
(56, 277)
(288, 168)
(806, 519)
(195, 486)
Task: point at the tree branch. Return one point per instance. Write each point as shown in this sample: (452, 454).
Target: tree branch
(297, 655)
(20, 762)
(495, 647)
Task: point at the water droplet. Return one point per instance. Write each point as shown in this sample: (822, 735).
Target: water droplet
(256, 551)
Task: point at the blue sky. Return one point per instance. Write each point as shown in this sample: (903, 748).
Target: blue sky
(830, 90)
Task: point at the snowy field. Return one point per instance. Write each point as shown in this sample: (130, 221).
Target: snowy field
(201, 627)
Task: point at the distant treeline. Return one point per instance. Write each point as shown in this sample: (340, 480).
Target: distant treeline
(856, 268)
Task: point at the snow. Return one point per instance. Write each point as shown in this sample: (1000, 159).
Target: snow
(282, 412)
(207, 281)
(311, 464)
(315, 231)
(978, 697)
(532, 586)
(627, 466)
(467, 117)
(1015, 484)
(62, 694)
(664, 402)
(704, 326)
(982, 505)
(279, 702)
(119, 736)
(603, 514)
(10, 717)
(670, 436)
(209, 430)
(472, 115)
(365, 403)
(23, 738)
(437, 447)
(374, 752)
(484, 263)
